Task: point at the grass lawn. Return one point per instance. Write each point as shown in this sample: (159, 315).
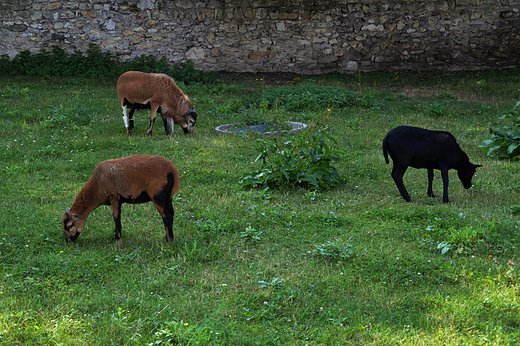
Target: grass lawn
(273, 265)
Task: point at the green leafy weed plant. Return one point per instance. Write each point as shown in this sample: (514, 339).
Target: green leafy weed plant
(505, 142)
(305, 159)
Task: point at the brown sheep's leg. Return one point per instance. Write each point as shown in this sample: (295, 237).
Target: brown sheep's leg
(168, 221)
(116, 211)
(163, 204)
(131, 120)
(165, 208)
(125, 119)
(153, 114)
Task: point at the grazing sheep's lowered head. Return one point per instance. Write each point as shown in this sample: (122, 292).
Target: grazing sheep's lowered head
(72, 226)
(466, 175)
(190, 119)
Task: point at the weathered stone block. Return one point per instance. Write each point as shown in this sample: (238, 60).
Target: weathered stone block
(280, 26)
(89, 14)
(53, 6)
(150, 23)
(195, 53)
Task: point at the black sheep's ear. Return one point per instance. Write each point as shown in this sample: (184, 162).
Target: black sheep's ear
(477, 166)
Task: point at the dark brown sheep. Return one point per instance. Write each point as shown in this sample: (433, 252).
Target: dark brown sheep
(132, 179)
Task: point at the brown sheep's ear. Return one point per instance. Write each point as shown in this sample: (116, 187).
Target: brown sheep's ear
(190, 113)
(67, 210)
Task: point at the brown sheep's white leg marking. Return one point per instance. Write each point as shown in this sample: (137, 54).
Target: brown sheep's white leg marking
(125, 119)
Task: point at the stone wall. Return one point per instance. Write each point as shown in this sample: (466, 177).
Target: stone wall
(300, 36)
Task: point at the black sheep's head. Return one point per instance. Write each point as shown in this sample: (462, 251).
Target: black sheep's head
(465, 175)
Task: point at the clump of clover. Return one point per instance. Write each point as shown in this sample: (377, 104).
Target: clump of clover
(333, 249)
(305, 159)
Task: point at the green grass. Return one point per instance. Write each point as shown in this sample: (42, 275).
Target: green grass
(259, 266)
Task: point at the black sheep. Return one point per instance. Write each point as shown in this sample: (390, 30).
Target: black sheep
(420, 148)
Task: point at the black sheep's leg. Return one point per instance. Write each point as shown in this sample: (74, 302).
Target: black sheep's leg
(444, 174)
(397, 174)
(430, 182)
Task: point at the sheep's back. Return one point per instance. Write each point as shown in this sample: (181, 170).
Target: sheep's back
(131, 176)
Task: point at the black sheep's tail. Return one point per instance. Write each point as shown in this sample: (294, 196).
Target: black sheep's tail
(385, 149)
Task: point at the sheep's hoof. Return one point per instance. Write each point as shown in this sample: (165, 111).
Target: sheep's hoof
(117, 236)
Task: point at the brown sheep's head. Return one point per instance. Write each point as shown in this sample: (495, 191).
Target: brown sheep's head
(190, 119)
(72, 226)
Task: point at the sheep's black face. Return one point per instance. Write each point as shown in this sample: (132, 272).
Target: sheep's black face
(465, 175)
(190, 118)
(70, 227)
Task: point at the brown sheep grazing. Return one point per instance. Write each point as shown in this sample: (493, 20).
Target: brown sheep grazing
(132, 179)
(159, 93)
